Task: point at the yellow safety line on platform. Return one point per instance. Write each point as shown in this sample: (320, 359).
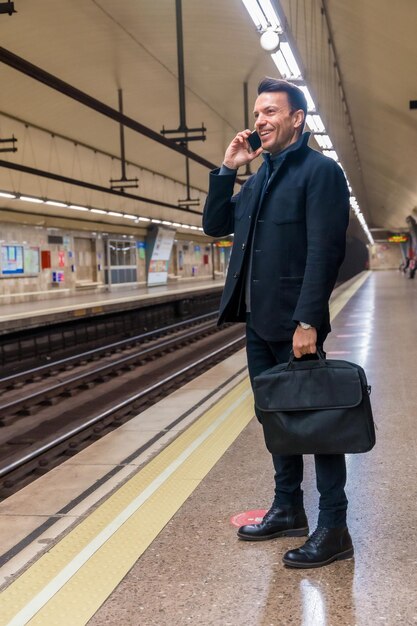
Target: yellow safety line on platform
(69, 583)
(338, 303)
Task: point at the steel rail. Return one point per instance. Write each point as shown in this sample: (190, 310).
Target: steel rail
(84, 378)
(7, 469)
(13, 378)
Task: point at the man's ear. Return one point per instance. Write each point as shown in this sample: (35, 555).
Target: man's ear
(299, 119)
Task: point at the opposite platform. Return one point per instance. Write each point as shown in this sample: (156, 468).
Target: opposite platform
(68, 307)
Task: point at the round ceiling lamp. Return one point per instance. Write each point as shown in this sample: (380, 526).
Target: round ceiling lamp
(269, 40)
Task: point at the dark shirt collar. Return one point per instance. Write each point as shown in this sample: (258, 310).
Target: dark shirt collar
(272, 160)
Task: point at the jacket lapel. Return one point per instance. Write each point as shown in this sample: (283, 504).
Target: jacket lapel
(255, 189)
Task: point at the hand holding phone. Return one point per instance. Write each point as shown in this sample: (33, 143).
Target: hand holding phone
(243, 149)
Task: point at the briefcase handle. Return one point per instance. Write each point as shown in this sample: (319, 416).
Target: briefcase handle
(320, 357)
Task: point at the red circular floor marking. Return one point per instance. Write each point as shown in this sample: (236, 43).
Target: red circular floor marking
(248, 517)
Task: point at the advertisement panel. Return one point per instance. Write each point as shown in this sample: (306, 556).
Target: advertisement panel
(158, 265)
(11, 260)
(31, 260)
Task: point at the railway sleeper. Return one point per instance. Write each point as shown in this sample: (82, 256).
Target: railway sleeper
(69, 393)
(26, 411)
(86, 386)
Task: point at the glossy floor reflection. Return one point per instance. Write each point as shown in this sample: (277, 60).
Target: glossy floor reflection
(197, 572)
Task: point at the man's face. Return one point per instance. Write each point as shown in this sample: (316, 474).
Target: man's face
(276, 125)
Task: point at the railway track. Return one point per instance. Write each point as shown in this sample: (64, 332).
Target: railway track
(15, 401)
(44, 422)
(61, 336)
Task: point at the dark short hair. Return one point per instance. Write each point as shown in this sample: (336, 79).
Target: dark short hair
(296, 97)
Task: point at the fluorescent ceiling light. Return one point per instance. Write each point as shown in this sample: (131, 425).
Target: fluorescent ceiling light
(256, 14)
(271, 15)
(78, 208)
(98, 211)
(130, 217)
(281, 64)
(290, 59)
(167, 223)
(315, 123)
(184, 226)
(56, 203)
(310, 102)
(319, 123)
(30, 199)
(311, 124)
(156, 221)
(115, 214)
(4, 194)
(144, 219)
(332, 154)
(194, 227)
(176, 224)
(324, 141)
(327, 141)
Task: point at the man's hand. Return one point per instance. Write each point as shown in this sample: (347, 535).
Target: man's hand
(239, 152)
(304, 341)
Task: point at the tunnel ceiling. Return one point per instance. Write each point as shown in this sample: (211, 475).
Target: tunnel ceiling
(100, 46)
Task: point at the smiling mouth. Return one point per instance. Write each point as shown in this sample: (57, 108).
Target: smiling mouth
(264, 133)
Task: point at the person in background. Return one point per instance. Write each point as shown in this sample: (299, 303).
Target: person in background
(289, 222)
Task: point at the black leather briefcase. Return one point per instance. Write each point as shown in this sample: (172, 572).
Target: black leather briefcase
(315, 407)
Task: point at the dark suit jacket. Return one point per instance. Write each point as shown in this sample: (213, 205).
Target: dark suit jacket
(298, 241)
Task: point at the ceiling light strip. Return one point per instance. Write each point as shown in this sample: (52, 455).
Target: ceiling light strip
(75, 207)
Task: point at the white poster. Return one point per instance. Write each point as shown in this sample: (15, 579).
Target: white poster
(31, 260)
(158, 266)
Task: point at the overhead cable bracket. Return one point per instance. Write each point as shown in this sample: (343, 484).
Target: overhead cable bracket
(11, 148)
(123, 182)
(7, 7)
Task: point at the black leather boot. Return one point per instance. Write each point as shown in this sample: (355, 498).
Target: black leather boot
(277, 522)
(323, 547)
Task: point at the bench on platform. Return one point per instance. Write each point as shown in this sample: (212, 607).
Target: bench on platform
(86, 284)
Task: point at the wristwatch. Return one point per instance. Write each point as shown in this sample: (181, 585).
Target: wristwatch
(304, 325)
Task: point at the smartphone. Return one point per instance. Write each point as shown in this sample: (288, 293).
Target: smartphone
(254, 141)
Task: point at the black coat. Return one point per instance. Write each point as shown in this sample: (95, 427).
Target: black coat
(298, 243)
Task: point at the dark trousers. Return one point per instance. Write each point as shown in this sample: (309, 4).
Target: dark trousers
(330, 468)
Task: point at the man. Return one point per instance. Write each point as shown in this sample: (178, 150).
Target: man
(289, 222)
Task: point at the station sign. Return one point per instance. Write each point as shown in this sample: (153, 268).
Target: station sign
(402, 238)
